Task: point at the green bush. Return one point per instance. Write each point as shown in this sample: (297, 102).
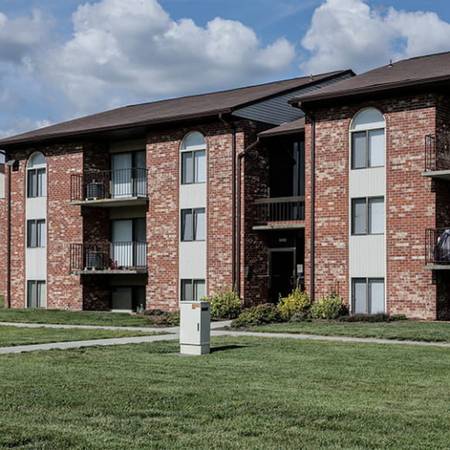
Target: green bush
(224, 305)
(296, 303)
(257, 315)
(329, 307)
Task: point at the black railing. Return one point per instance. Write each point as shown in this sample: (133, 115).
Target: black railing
(103, 256)
(109, 184)
(437, 152)
(437, 246)
(281, 209)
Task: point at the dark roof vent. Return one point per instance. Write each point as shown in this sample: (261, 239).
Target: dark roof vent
(390, 63)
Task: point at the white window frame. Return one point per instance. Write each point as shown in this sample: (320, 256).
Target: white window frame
(367, 230)
(367, 282)
(193, 283)
(193, 150)
(39, 169)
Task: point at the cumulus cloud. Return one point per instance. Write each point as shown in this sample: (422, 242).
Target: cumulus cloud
(348, 33)
(135, 49)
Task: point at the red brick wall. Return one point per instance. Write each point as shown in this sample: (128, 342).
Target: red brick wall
(163, 150)
(64, 225)
(411, 204)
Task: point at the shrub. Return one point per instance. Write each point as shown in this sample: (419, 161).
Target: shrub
(329, 307)
(257, 315)
(224, 305)
(296, 303)
(160, 318)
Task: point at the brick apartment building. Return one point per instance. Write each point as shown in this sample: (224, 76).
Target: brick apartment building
(335, 182)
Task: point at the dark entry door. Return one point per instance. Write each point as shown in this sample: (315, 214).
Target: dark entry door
(282, 275)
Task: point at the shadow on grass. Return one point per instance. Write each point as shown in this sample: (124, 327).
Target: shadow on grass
(221, 348)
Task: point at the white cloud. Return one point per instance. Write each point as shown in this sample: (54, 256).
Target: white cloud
(348, 33)
(134, 49)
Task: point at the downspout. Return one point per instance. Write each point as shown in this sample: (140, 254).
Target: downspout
(313, 203)
(234, 240)
(8, 233)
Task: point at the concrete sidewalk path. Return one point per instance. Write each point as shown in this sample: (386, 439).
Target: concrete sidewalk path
(90, 343)
(316, 337)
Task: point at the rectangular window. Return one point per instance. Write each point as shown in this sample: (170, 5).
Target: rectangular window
(36, 233)
(193, 227)
(376, 215)
(193, 167)
(36, 183)
(35, 293)
(368, 148)
(367, 215)
(192, 290)
(368, 295)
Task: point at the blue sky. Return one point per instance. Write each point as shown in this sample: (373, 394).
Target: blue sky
(64, 58)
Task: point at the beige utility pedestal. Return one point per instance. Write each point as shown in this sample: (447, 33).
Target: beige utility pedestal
(195, 328)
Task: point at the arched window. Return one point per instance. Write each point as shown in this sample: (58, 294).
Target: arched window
(367, 139)
(36, 176)
(193, 158)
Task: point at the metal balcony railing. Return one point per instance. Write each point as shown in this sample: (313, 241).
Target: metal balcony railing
(109, 184)
(108, 256)
(437, 246)
(280, 209)
(437, 152)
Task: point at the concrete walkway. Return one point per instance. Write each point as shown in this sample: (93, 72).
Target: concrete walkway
(173, 333)
(91, 343)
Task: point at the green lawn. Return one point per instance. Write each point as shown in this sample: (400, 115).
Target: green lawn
(402, 329)
(21, 336)
(73, 317)
(251, 393)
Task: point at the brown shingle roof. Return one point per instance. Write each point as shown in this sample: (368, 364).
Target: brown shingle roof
(402, 74)
(183, 108)
(285, 128)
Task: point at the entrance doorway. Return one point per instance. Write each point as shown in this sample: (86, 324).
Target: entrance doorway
(282, 272)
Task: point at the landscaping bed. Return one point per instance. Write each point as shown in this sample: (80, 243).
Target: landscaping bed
(250, 393)
(11, 336)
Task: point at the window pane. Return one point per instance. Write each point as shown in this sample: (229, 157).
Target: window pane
(200, 224)
(30, 234)
(359, 159)
(376, 215)
(376, 148)
(376, 292)
(187, 225)
(31, 183)
(41, 233)
(187, 168)
(200, 167)
(199, 289)
(186, 290)
(41, 189)
(359, 216)
(31, 294)
(359, 296)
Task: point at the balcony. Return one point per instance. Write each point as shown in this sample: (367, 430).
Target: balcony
(437, 249)
(109, 188)
(279, 213)
(437, 156)
(108, 258)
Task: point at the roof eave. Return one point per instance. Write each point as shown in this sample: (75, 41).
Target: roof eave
(301, 102)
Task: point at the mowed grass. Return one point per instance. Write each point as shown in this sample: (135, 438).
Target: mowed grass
(402, 329)
(10, 336)
(73, 317)
(250, 393)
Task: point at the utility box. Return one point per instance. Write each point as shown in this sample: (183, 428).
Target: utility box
(195, 328)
